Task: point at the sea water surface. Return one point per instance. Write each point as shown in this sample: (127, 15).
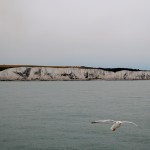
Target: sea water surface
(56, 115)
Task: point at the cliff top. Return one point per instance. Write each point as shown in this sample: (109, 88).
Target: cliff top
(3, 67)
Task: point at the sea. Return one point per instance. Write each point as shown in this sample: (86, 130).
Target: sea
(57, 115)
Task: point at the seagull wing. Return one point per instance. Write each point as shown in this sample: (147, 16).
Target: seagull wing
(129, 122)
(103, 121)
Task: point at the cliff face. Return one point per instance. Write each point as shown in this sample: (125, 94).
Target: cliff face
(47, 73)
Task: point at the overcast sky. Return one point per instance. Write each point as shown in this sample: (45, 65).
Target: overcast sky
(100, 33)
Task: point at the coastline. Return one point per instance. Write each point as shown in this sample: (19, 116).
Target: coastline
(69, 73)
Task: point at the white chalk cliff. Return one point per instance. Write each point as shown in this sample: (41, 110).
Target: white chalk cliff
(48, 73)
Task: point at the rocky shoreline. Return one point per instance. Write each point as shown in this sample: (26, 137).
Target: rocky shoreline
(41, 73)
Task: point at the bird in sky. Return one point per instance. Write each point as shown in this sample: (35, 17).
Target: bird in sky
(115, 124)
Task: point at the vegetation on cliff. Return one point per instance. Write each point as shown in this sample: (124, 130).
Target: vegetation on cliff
(3, 67)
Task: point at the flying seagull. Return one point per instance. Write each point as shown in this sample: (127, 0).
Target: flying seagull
(116, 124)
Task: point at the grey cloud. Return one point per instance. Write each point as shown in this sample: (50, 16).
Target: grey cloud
(67, 32)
